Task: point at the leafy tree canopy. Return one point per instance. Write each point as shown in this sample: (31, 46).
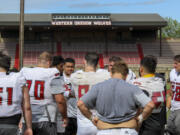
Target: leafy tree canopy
(172, 30)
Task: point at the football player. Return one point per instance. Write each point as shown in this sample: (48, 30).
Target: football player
(58, 62)
(13, 94)
(46, 89)
(154, 88)
(82, 81)
(71, 128)
(116, 102)
(131, 75)
(173, 99)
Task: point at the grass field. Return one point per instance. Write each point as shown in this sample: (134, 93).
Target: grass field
(168, 86)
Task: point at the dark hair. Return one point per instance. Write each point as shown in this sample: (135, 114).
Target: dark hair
(153, 57)
(177, 58)
(57, 60)
(120, 67)
(149, 63)
(5, 61)
(92, 59)
(115, 59)
(70, 60)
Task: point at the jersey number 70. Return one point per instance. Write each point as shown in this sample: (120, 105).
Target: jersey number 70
(38, 89)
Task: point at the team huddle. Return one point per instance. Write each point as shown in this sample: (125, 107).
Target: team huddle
(53, 99)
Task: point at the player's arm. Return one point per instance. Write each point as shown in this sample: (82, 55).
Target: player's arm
(147, 110)
(144, 102)
(57, 89)
(27, 111)
(85, 111)
(62, 107)
(169, 98)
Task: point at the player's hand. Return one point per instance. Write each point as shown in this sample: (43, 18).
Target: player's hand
(20, 125)
(139, 123)
(95, 121)
(28, 132)
(65, 122)
(138, 126)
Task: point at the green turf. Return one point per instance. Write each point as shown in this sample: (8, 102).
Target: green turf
(168, 86)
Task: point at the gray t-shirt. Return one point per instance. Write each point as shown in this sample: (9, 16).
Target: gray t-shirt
(115, 100)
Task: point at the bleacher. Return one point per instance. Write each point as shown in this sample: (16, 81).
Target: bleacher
(10, 49)
(33, 50)
(129, 52)
(169, 49)
(77, 50)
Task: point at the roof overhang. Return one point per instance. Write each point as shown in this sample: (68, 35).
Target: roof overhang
(110, 20)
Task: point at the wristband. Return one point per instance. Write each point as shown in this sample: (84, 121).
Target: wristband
(140, 118)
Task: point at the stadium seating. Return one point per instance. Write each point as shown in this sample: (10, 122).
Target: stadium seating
(77, 50)
(9, 48)
(169, 49)
(32, 51)
(129, 52)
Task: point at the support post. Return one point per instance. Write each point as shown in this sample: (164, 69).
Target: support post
(21, 34)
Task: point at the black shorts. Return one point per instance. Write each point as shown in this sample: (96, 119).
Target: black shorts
(60, 133)
(149, 132)
(71, 128)
(8, 129)
(43, 128)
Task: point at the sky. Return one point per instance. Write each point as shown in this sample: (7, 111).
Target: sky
(165, 8)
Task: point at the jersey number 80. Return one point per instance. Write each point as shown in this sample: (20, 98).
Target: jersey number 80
(82, 89)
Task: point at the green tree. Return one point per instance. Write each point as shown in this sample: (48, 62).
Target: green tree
(172, 30)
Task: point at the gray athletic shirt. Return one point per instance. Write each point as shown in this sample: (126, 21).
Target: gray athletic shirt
(57, 85)
(115, 100)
